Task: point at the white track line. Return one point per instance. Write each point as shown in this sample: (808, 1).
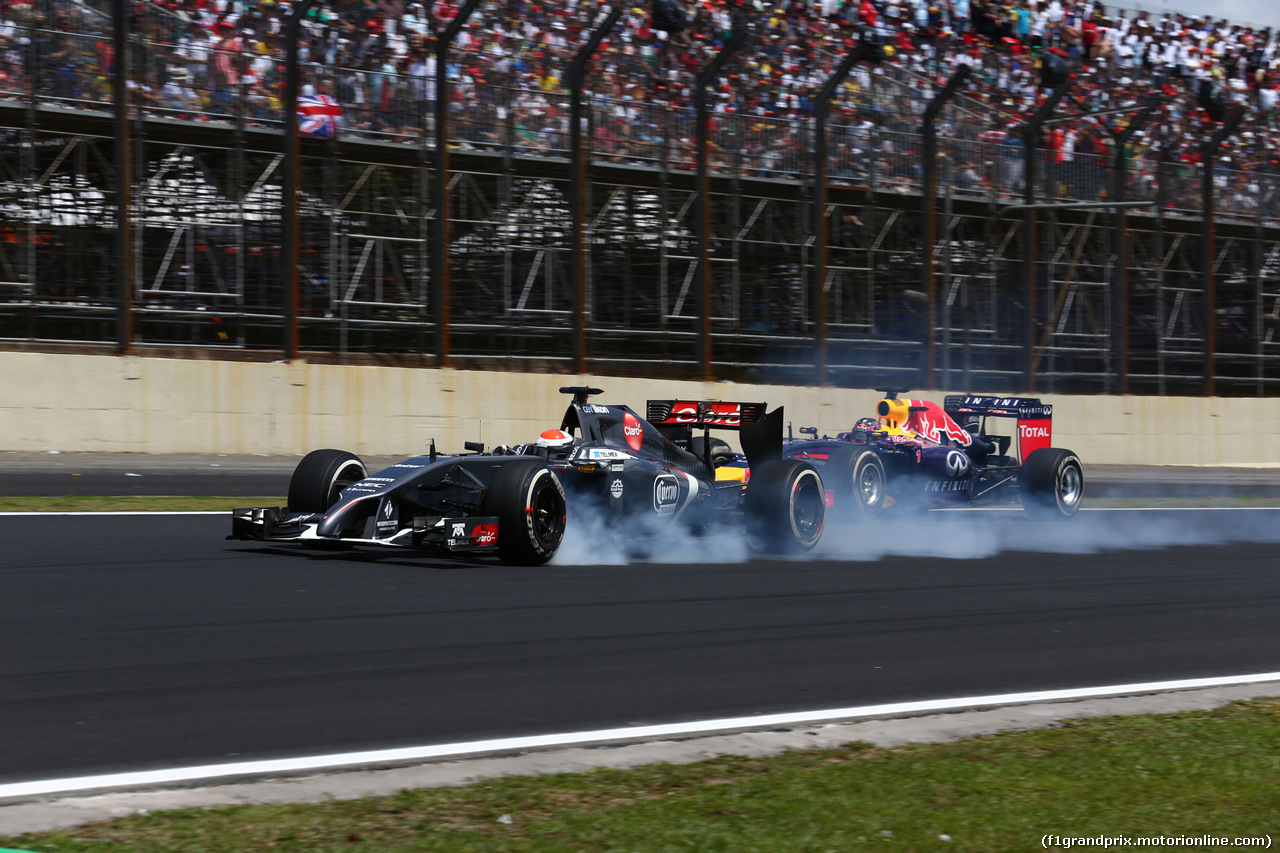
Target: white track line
(275, 767)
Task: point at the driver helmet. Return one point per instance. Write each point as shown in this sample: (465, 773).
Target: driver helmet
(555, 439)
(864, 428)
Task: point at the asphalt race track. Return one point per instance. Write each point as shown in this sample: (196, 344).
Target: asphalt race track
(136, 642)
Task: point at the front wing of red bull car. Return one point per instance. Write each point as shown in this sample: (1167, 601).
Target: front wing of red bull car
(474, 502)
(645, 475)
(975, 449)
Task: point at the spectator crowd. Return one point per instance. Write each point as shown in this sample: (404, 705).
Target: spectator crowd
(369, 70)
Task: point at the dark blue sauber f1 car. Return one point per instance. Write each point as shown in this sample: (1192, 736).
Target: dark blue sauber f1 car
(919, 456)
(644, 474)
(473, 502)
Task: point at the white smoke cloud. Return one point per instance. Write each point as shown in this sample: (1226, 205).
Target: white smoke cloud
(960, 535)
(968, 535)
(592, 538)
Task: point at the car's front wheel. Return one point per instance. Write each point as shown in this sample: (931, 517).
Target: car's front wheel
(785, 507)
(320, 476)
(528, 500)
(857, 479)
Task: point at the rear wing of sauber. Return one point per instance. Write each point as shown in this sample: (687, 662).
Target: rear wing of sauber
(703, 413)
(1035, 419)
(759, 432)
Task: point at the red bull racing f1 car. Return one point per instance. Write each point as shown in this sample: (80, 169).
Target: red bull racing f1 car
(918, 455)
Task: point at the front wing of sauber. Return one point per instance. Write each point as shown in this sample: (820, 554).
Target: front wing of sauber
(274, 524)
(423, 502)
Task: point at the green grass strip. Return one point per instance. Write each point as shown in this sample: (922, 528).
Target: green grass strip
(1187, 774)
(129, 503)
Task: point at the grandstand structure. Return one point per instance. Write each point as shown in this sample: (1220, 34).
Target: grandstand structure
(179, 214)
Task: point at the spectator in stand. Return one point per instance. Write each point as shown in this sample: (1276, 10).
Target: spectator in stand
(224, 73)
(511, 60)
(194, 49)
(179, 95)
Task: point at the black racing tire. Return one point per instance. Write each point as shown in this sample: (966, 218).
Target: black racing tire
(320, 476)
(785, 507)
(528, 500)
(1051, 484)
(857, 481)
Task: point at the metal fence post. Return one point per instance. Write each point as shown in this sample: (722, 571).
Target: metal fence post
(929, 191)
(1030, 136)
(124, 179)
(578, 201)
(1120, 283)
(703, 223)
(1209, 308)
(441, 283)
(290, 243)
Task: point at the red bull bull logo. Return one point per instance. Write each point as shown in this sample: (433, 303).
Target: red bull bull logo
(936, 425)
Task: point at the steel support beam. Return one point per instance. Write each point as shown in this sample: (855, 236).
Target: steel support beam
(1120, 279)
(818, 216)
(1031, 140)
(1209, 308)
(704, 278)
(578, 199)
(441, 280)
(289, 237)
(124, 179)
(929, 203)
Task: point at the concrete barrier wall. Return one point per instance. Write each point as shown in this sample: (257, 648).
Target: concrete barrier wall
(78, 403)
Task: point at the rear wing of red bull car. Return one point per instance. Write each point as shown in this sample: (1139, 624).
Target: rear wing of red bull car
(1035, 419)
(759, 432)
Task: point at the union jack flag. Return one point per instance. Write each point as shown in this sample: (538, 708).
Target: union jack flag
(319, 115)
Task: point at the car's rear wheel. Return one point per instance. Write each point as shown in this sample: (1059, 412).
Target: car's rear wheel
(857, 480)
(320, 476)
(1052, 484)
(785, 507)
(528, 500)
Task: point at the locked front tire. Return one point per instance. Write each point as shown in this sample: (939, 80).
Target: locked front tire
(528, 500)
(857, 481)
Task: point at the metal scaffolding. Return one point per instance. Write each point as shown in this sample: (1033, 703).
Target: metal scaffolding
(565, 256)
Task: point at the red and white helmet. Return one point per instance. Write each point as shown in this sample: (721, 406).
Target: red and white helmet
(555, 439)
